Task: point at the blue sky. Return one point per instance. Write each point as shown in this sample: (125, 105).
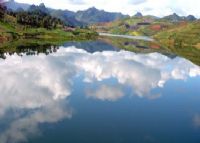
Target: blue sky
(153, 7)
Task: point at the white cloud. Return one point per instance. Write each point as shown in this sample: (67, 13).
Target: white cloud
(153, 7)
(35, 79)
(22, 128)
(77, 1)
(105, 92)
(38, 86)
(32, 87)
(136, 1)
(142, 72)
(196, 120)
(53, 77)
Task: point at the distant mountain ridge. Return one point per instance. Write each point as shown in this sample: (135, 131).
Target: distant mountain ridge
(87, 17)
(13, 5)
(176, 18)
(80, 18)
(93, 15)
(138, 14)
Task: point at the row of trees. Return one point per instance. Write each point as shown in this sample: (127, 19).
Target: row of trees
(2, 11)
(37, 19)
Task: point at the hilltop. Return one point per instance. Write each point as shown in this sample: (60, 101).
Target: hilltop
(80, 18)
(93, 15)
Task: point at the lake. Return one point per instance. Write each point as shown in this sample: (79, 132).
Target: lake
(93, 92)
(146, 38)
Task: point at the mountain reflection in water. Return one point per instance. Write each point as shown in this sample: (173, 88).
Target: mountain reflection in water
(36, 89)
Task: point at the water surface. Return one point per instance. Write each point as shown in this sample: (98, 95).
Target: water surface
(146, 38)
(78, 94)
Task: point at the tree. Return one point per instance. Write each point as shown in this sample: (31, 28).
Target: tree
(37, 19)
(2, 11)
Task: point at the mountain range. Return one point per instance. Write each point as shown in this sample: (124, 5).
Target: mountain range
(176, 18)
(86, 17)
(79, 18)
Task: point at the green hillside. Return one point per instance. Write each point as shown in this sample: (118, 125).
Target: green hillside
(25, 25)
(145, 25)
(182, 40)
(184, 35)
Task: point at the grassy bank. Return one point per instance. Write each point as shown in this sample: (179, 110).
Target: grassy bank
(182, 40)
(11, 29)
(185, 35)
(9, 33)
(135, 26)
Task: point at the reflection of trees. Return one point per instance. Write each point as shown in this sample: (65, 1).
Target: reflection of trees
(30, 50)
(2, 56)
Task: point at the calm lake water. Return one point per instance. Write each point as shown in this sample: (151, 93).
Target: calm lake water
(92, 92)
(146, 38)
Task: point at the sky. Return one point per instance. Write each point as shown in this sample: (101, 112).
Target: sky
(147, 7)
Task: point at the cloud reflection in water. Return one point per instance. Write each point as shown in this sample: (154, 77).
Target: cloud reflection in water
(42, 84)
(196, 120)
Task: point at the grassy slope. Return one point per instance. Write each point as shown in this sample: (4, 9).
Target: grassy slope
(119, 27)
(10, 30)
(166, 32)
(183, 40)
(187, 34)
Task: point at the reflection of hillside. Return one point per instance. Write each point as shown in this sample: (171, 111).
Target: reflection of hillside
(33, 47)
(48, 82)
(92, 46)
(27, 47)
(139, 46)
(188, 52)
(29, 50)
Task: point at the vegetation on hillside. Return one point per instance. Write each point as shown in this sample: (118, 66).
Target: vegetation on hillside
(2, 10)
(80, 18)
(38, 24)
(141, 25)
(184, 35)
(37, 19)
(178, 35)
(182, 40)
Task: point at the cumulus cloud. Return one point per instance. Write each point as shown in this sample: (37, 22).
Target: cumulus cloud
(142, 72)
(32, 87)
(35, 79)
(39, 86)
(22, 128)
(110, 93)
